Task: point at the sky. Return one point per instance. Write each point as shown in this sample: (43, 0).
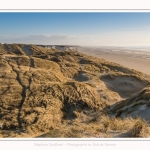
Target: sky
(76, 28)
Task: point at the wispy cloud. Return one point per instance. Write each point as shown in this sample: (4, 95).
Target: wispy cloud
(38, 39)
(136, 37)
(53, 36)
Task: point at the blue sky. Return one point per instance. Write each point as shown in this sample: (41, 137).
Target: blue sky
(87, 29)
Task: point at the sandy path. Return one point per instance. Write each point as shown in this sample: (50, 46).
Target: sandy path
(27, 51)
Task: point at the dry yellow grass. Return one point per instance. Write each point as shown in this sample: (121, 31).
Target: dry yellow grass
(140, 129)
(43, 90)
(103, 126)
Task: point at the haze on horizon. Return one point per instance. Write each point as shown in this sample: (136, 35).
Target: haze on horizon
(74, 28)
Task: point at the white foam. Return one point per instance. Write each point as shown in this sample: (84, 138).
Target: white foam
(115, 50)
(138, 52)
(128, 51)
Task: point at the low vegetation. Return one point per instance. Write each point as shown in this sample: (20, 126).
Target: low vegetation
(49, 92)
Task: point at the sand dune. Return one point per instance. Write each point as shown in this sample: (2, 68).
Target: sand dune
(124, 85)
(48, 92)
(136, 105)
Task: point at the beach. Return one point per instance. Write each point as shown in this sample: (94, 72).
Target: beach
(134, 59)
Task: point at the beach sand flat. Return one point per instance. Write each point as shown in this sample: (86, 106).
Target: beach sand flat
(134, 59)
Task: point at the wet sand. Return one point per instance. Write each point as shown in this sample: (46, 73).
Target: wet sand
(134, 59)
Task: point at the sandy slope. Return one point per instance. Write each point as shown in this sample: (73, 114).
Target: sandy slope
(124, 85)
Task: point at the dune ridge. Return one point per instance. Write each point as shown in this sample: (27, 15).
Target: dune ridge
(44, 89)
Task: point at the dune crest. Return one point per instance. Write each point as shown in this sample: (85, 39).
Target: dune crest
(45, 88)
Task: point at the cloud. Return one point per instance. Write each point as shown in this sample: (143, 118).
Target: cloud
(38, 39)
(136, 37)
(55, 36)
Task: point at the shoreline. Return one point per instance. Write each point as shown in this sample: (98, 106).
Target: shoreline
(133, 59)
